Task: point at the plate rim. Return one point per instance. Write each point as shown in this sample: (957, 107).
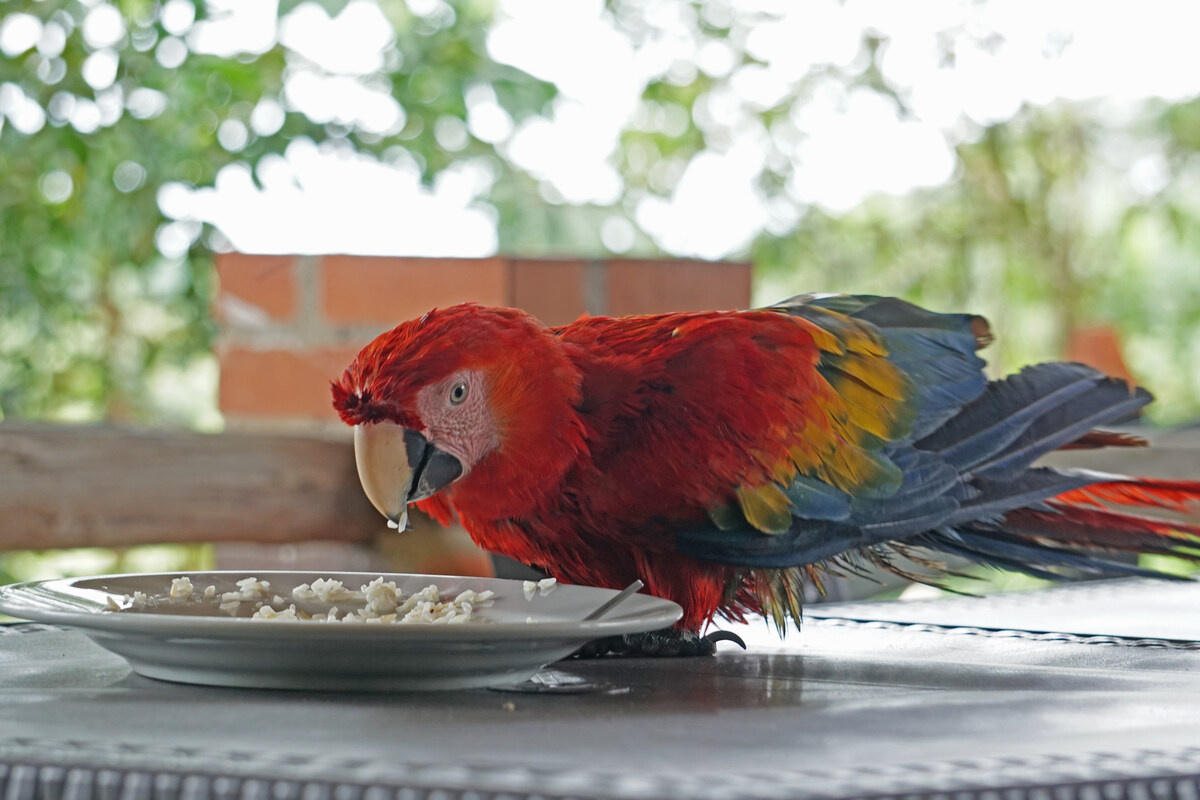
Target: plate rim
(662, 613)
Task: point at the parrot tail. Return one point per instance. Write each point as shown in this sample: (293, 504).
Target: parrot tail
(1079, 532)
(967, 487)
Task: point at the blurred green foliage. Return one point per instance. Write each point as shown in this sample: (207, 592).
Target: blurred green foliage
(1044, 231)
(1063, 216)
(30, 565)
(104, 299)
(1066, 216)
(101, 294)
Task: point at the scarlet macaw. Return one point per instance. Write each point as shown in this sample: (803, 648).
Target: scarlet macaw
(725, 458)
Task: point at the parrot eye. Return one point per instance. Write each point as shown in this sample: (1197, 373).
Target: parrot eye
(458, 393)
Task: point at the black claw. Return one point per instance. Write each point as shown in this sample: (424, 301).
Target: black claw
(667, 643)
(725, 636)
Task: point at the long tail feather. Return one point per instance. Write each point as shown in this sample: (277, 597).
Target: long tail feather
(1012, 551)
(1181, 496)
(1104, 530)
(1096, 439)
(1080, 531)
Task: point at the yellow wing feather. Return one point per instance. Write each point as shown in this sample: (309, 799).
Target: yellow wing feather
(863, 399)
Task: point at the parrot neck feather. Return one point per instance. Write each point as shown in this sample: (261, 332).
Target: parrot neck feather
(535, 397)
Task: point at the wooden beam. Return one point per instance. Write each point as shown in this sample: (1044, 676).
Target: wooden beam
(102, 486)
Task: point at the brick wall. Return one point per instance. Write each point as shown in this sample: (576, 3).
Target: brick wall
(292, 323)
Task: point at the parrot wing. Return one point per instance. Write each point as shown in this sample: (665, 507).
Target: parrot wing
(959, 477)
(690, 411)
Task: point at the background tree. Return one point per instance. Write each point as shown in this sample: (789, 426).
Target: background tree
(1054, 217)
(101, 106)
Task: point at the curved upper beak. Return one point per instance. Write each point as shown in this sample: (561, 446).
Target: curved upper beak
(397, 466)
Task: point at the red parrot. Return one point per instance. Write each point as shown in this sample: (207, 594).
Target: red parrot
(725, 458)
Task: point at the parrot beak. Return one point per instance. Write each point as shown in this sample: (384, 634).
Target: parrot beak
(397, 466)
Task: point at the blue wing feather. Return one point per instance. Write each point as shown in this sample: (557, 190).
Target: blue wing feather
(966, 462)
(813, 499)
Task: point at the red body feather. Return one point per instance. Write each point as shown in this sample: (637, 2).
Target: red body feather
(669, 407)
(615, 434)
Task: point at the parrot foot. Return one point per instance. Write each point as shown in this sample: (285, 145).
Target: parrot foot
(666, 643)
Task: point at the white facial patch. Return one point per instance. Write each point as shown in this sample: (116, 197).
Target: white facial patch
(465, 430)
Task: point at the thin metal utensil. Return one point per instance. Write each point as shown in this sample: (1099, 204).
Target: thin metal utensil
(604, 609)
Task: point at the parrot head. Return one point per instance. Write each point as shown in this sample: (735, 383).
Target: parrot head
(459, 401)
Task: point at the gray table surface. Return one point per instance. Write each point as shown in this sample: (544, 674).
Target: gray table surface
(1089, 691)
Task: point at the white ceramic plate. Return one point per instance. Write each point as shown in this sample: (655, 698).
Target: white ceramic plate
(197, 643)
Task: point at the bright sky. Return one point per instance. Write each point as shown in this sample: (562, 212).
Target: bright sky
(843, 146)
